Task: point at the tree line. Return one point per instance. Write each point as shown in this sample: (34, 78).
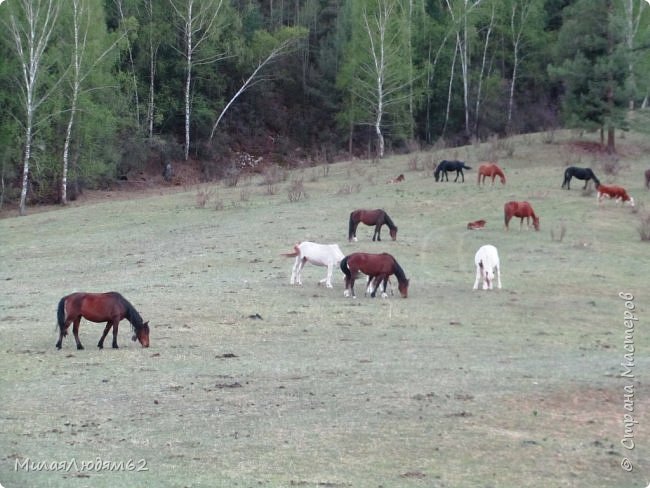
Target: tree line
(93, 89)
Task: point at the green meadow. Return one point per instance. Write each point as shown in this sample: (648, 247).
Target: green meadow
(252, 382)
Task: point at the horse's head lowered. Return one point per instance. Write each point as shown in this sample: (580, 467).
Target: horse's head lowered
(536, 222)
(142, 334)
(393, 233)
(403, 287)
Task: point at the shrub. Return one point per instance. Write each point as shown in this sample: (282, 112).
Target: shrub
(296, 190)
(203, 196)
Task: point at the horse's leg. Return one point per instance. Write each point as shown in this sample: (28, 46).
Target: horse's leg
(354, 231)
(383, 293)
(376, 283)
(328, 280)
(478, 277)
(352, 278)
(75, 331)
(294, 270)
(301, 264)
(63, 332)
(368, 285)
(100, 344)
(497, 272)
(586, 183)
(347, 292)
(377, 231)
(117, 322)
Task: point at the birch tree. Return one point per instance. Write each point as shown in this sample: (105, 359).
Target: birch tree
(632, 14)
(283, 44)
(31, 28)
(80, 11)
(524, 16)
(197, 19)
(460, 11)
(381, 76)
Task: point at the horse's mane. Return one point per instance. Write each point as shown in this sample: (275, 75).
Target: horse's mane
(399, 272)
(388, 221)
(132, 314)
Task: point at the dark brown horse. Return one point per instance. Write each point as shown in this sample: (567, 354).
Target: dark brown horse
(523, 210)
(376, 217)
(99, 307)
(647, 178)
(376, 266)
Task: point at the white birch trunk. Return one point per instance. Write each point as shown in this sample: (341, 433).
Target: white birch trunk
(153, 52)
(188, 79)
(76, 65)
(482, 73)
(31, 41)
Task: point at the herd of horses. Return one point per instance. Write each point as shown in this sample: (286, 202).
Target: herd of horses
(112, 307)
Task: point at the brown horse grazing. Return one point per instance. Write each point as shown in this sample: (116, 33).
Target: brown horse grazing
(647, 178)
(523, 210)
(376, 217)
(397, 179)
(377, 266)
(490, 170)
(99, 307)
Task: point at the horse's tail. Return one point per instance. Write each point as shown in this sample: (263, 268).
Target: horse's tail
(345, 268)
(296, 252)
(351, 227)
(507, 211)
(60, 313)
(466, 167)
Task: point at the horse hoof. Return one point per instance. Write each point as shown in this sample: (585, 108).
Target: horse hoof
(79, 346)
(115, 346)
(58, 346)
(100, 346)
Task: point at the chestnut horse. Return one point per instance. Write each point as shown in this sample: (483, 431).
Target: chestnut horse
(490, 170)
(377, 217)
(618, 193)
(523, 210)
(99, 307)
(376, 266)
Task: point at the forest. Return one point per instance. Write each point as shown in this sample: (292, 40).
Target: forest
(94, 90)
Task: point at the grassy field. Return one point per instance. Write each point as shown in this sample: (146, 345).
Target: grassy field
(450, 387)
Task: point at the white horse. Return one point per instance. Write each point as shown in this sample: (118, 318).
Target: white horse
(329, 255)
(487, 265)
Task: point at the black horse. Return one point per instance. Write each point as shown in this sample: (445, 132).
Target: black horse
(444, 166)
(580, 173)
